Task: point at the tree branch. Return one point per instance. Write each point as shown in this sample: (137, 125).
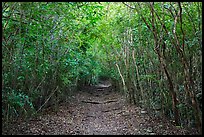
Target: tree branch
(183, 41)
(129, 6)
(47, 99)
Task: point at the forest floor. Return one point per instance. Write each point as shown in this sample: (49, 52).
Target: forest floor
(97, 111)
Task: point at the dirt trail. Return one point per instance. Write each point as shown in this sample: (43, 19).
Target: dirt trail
(105, 114)
(96, 111)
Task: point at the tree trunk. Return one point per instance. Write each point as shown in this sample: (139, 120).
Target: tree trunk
(171, 90)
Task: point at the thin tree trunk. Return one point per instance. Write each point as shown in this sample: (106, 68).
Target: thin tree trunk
(138, 76)
(123, 81)
(172, 92)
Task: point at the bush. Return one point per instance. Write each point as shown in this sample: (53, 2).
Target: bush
(15, 104)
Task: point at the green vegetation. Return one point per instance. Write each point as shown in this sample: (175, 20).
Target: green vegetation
(151, 51)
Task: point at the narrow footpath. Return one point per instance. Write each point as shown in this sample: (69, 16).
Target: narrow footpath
(96, 110)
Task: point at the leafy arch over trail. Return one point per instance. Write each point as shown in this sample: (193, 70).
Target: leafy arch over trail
(151, 51)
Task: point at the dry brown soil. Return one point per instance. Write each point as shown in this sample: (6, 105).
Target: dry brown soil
(96, 111)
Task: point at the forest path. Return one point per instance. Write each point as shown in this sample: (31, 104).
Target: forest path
(96, 111)
(105, 113)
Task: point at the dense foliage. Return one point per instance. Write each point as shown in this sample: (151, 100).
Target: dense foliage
(151, 51)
